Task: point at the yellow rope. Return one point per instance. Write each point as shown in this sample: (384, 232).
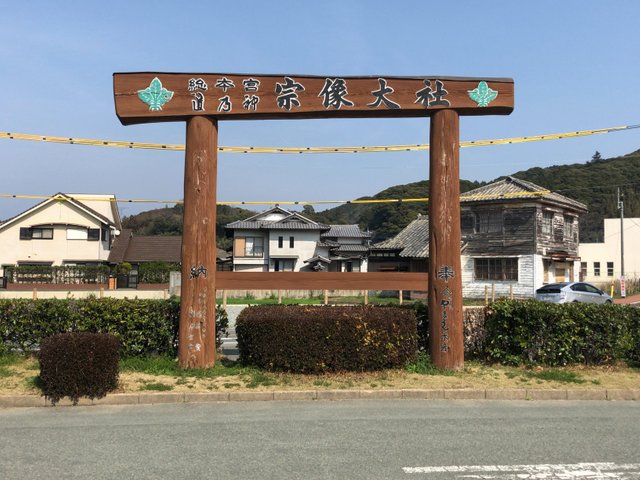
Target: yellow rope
(298, 150)
(272, 202)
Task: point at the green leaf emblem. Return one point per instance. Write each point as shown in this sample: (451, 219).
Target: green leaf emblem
(482, 94)
(155, 95)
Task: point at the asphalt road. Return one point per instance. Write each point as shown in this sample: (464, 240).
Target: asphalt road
(365, 439)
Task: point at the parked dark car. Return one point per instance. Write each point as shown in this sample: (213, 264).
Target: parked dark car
(568, 292)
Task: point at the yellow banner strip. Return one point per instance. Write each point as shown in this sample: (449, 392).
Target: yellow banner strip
(271, 202)
(298, 150)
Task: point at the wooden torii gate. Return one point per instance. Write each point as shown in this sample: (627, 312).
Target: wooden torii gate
(201, 99)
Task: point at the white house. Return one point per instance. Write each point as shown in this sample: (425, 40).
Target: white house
(65, 229)
(278, 240)
(600, 262)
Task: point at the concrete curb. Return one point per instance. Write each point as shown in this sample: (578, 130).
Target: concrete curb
(144, 398)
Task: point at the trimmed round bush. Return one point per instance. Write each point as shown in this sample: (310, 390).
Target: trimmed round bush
(79, 364)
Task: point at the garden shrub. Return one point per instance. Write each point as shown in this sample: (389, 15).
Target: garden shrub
(537, 333)
(78, 364)
(143, 327)
(156, 272)
(313, 339)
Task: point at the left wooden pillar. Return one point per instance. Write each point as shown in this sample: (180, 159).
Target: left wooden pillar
(197, 345)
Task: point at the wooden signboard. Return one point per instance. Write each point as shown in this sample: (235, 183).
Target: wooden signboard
(202, 99)
(156, 97)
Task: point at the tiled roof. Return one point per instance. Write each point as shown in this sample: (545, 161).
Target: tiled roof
(119, 246)
(412, 241)
(152, 248)
(514, 188)
(318, 258)
(291, 221)
(344, 248)
(266, 225)
(346, 231)
(157, 248)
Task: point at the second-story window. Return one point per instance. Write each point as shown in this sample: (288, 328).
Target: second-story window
(280, 242)
(253, 247)
(547, 223)
(291, 242)
(568, 228)
(488, 222)
(36, 233)
(248, 246)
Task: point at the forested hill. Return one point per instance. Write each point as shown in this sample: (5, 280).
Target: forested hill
(593, 184)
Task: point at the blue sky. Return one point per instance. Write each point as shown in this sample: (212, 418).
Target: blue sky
(574, 62)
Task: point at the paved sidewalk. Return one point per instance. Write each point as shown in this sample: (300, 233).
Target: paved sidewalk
(631, 300)
(12, 401)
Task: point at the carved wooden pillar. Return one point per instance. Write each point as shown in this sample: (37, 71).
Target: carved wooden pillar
(198, 308)
(446, 331)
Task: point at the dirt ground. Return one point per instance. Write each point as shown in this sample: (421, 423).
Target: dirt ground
(20, 377)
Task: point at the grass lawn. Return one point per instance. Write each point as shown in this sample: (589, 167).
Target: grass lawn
(19, 375)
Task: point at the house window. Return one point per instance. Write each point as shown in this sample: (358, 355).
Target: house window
(93, 234)
(583, 270)
(568, 228)
(488, 222)
(596, 269)
(36, 233)
(291, 242)
(248, 247)
(283, 265)
(547, 223)
(496, 269)
(253, 247)
(280, 242)
(609, 269)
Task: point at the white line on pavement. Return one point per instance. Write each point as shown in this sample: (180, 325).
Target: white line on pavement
(582, 471)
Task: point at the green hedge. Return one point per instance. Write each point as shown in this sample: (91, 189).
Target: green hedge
(156, 272)
(537, 333)
(143, 327)
(310, 339)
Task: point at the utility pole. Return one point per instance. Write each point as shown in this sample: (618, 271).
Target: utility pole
(623, 292)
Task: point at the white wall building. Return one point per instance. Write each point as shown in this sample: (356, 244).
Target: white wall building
(600, 262)
(278, 240)
(66, 229)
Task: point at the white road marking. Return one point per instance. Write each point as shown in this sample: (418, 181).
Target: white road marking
(581, 471)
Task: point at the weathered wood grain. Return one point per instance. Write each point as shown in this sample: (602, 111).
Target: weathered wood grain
(353, 97)
(198, 306)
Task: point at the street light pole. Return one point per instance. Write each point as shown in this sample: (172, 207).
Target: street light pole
(623, 292)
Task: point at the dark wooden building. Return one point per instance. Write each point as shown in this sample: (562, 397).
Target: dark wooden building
(516, 236)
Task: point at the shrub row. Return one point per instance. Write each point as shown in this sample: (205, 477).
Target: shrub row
(156, 272)
(80, 364)
(312, 339)
(143, 327)
(537, 333)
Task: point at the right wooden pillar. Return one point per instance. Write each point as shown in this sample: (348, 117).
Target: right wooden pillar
(446, 329)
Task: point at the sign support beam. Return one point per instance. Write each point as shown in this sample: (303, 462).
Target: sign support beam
(197, 344)
(446, 322)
